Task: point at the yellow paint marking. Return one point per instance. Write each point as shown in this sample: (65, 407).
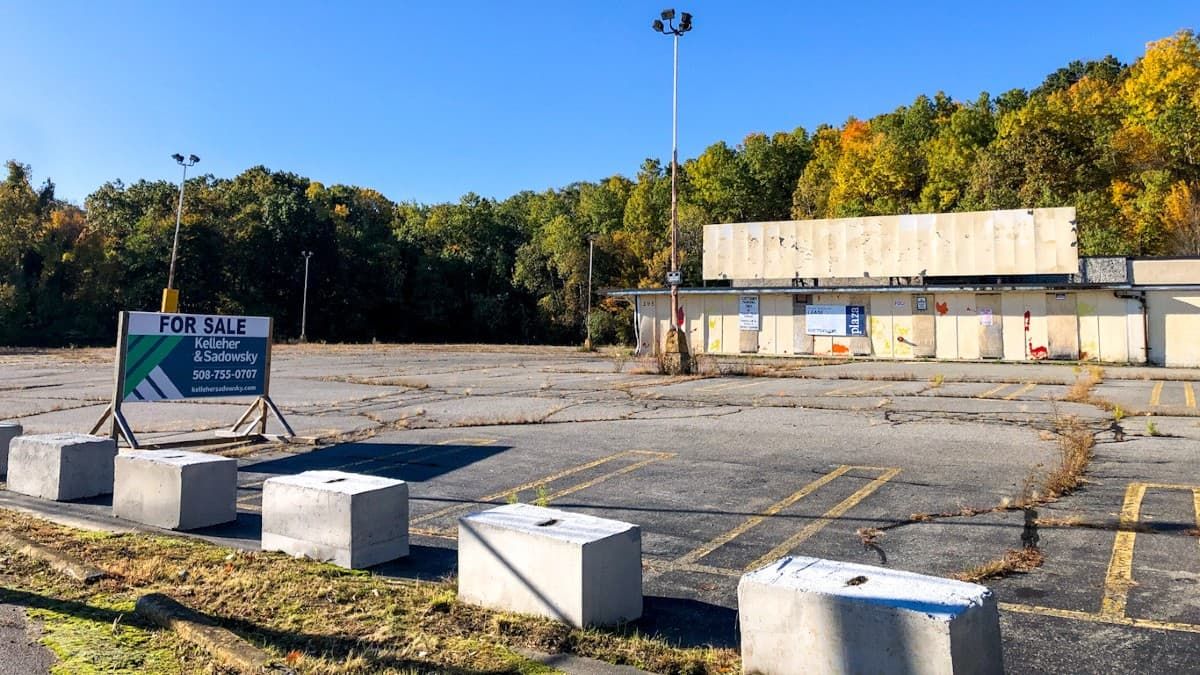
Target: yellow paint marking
(726, 386)
(1120, 567)
(1023, 390)
(613, 474)
(993, 390)
(440, 534)
(1196, 504)
(1189, 395)
(1156, 393)
(877, 387)
(553, 477)
(820, 523)
(842, 390)
(753, 521)
(659, 567)
(1100, 618)
(415, 450)
(1169, 486)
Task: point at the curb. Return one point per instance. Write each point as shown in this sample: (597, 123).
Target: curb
(60, 562)
(225, 646)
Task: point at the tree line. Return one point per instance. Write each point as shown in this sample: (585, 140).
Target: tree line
(1120, 142)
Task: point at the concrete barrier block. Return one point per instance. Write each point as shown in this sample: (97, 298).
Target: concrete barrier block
(806, 615)
(571, 567)
(349, 519)
(61, 466)
(174, 489)
(8, 431)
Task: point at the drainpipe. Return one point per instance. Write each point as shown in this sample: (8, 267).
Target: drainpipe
(1141, 298)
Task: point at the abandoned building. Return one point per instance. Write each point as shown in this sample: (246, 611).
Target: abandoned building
(1006, 285)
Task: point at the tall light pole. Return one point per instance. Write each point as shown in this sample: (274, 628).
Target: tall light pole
(304, 305)
(587, 318)
(170, 297)
(674, 278)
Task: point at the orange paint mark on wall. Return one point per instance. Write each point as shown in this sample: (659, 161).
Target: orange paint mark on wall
(942, 307)
(840, 349)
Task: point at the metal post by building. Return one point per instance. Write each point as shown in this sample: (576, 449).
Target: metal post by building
(170, 297)
(304, 304)
(676, 343)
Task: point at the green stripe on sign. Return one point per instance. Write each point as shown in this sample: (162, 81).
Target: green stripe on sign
(134, 377)
(137, 346)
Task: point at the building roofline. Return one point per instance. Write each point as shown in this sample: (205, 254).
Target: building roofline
(809, 290)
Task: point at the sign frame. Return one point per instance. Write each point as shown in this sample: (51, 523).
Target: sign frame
(749, 313)
(252, 425)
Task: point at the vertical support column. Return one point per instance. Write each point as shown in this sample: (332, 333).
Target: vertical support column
(119, 376)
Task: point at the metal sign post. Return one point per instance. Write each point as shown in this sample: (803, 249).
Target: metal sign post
(166, 356)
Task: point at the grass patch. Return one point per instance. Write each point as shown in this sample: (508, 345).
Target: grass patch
(1081, 390)
(1076, 444)
(936, 381)
(1152, 429)
(314, 617)
(1015, 561)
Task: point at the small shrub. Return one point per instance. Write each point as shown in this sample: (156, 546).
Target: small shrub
(937, 380)
(1152, 429)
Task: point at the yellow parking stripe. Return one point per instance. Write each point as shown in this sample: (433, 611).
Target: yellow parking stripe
(1189, 395)
(1120, 566)
(1023, 390)
(650, 457)
(1100, 618)
(754, 520)
(820, 523)
(1156, 393)
(993, 390)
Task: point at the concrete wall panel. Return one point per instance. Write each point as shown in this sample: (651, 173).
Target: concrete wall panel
(1022, 241)
(1174, 326)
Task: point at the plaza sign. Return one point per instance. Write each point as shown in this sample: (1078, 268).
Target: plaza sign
(835, 320)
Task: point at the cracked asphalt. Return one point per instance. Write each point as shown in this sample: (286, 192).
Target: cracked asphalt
(724, 473)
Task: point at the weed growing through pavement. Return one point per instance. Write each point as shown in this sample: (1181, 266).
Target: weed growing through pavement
(543, 496)
(1152, 429)
(1015, 561)
(937, 380)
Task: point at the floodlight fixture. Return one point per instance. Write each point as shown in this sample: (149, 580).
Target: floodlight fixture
(177, 157)
(685, 22)
(668, 14)
(193, 159)
(657, 25)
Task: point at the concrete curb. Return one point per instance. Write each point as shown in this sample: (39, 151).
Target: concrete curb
(60, 562)
(229, 649)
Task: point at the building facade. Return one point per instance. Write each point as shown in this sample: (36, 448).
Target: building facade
(1002, 285)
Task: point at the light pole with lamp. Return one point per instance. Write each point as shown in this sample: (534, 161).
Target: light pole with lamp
(304, 304)
(676, 342)
(170, 296)
(587, 317)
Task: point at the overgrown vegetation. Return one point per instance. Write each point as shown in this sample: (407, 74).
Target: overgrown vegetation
(314, 617)
(1119, 142)
(1014, 561)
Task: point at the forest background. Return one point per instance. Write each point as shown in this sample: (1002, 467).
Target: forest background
(1120, 142)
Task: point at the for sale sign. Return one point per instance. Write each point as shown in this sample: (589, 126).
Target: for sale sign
(179, 356)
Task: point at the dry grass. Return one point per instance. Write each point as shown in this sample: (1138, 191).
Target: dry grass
(315, 617)
(1076, 444)
(1081, 391)
(1015, 561)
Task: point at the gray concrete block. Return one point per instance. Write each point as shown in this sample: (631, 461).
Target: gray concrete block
(8, 431)
(174, 489)
(61, 466)
(807, 615)
(574, 568)
(349, 519)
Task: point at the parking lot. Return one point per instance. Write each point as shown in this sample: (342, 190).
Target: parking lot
(726, 473)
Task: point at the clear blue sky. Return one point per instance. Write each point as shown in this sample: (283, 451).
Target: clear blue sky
(427, 101)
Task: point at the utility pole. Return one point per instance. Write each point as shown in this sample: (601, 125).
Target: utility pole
(170, 296)
(304, 304)
(676, 342)
(587, 318)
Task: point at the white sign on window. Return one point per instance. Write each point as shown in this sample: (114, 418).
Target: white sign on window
(748, 312)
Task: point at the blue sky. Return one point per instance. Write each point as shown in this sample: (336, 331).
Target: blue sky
(427, 101)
